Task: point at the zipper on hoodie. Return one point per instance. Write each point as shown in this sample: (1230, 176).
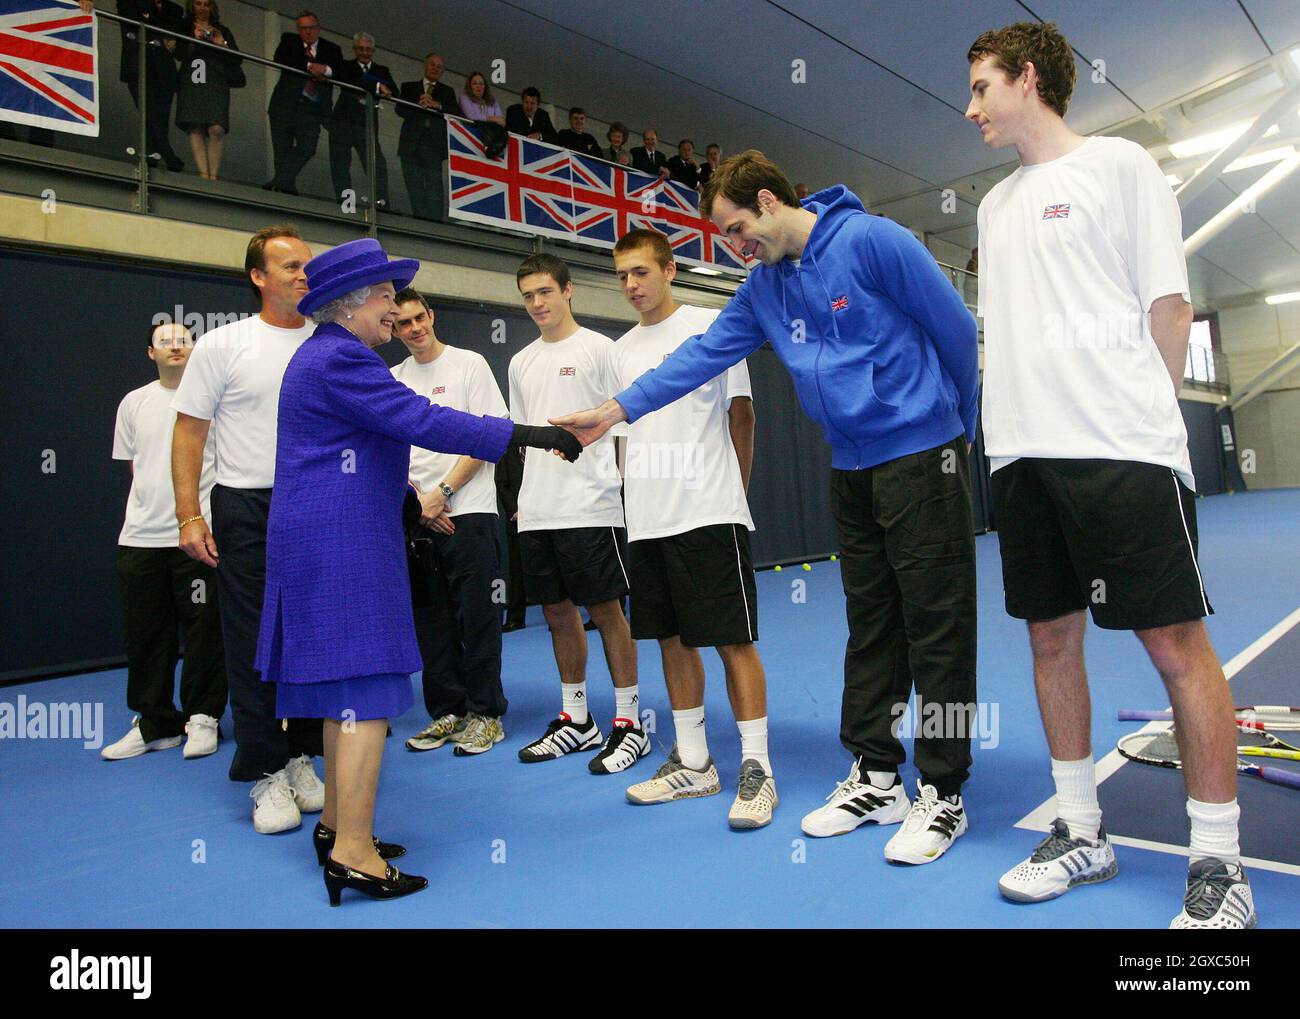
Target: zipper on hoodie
(817, 375)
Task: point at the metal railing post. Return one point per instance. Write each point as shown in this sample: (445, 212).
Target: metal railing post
(372, 168)
(142, 139)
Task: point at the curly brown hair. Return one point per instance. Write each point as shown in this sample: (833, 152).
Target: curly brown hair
(1044, 46)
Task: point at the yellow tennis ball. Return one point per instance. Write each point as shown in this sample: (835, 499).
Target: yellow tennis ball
(806, 566)
(777, 567)
(834, 558)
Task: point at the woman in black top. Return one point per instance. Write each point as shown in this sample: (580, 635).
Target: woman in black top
(205, 80)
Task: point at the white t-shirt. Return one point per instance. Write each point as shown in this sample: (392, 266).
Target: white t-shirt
(681, 470)
(233, 380)
(462, 380)
(547, 380)
(145, 422)
(1072, 253)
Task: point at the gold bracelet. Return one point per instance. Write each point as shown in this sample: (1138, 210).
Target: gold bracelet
(189, 520)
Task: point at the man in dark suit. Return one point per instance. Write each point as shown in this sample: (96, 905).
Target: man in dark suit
(647, 158)
(347, 127)
(529, 119)
(575, 136)
(299, 104)
(683, 168)
(160, 71)
(422, 145)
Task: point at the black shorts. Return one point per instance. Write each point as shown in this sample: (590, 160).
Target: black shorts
(1112, 536)
(698, 585)
(583, 564)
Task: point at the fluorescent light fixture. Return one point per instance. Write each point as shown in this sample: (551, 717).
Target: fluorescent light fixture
(1212, 142)
(1260, 158)
(703, 271)
(1245, 200)
(1294, 295)
(1173, 179)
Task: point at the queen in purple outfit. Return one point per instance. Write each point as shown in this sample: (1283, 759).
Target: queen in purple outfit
(337, 636)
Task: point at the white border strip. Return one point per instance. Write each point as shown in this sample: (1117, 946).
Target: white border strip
(1041, 817)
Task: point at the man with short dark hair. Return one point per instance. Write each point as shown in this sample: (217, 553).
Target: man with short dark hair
(232, 385)
(576, 137)
(647, 158)
(422, 145)
(1084, 294)
(459, 630)
(683, 168)
(347, 126)
(300, 103)
(527, 118)
(885, 357)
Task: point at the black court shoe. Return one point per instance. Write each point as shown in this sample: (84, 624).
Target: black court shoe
(323, 839)
(392, 885)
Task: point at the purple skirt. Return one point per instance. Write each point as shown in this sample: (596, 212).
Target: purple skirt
(358, 699)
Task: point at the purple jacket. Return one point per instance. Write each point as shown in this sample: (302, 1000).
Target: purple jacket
(338, 597)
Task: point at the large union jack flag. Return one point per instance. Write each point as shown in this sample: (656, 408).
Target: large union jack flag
(544, 189)
(48, 69)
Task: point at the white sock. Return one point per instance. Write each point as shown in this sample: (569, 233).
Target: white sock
(627, 702)
(575, 701)
(1076, 797)
(692, 740)
(1214, 830)
(881, 779)
(753, 742)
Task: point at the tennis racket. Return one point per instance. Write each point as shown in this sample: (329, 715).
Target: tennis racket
(1278, 717)
(1161, 750)
(1255, 741)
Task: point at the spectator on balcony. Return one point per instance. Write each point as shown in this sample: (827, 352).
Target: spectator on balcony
(348, 126)
(575, 136)
(300, 102)
(617, 138)
(647, 158)
(478, 103)
(206, 78)
(683, 168)
(528, 118)
(422, 145)
(160, 71)
(712, 157)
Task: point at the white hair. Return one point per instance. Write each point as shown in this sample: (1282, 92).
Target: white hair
(364, 37)
(332, 311)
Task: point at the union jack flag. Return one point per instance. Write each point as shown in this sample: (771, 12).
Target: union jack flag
(48, 66)
(840, 303)
(548, 190)
(569, 371)
(1057, 211)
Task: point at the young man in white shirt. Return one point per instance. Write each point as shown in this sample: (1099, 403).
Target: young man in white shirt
(571, 534)
(1083, 290)
(688, 523)
(163, 589)
(233, 384)
(460, 628)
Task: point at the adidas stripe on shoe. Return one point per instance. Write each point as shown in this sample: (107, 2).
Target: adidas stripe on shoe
(675, 781)
(1059, 863)
(626, 745)
(855, 802)
(562, 736)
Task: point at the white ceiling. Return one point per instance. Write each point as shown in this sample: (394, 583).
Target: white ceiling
(881, 110)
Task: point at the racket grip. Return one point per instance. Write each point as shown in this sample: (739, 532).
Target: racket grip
(1126, 715)
(1280, 776)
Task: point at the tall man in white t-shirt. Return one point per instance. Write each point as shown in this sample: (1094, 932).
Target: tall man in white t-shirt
(688, 523)
(459, 629)
(571, 531)
(1083, 290)
(163, 589)
(233, 384)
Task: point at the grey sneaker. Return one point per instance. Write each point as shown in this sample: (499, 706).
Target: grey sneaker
(1218, 898)
(436, 733)
(1059, 863)
(675, 781)
(755, 798)
(479, 735)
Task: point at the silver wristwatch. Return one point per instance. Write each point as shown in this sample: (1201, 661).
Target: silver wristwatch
(446, 490)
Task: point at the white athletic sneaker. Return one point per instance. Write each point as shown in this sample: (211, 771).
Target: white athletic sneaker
(274, 809)
(931, 827)
(308, 789)
(133, 744)
(1218, 898)
(626, 745)
(436, 733)
(1057, 864)
(855, 802)
(675, 781)
(755, 797)
(562, 736)
(203, 733)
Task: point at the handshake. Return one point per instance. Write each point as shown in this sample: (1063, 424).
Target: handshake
(563, 442)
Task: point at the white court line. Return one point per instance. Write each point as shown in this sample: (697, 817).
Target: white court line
(1042, 816)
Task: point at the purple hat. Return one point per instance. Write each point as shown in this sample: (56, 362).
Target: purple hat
(349, 267)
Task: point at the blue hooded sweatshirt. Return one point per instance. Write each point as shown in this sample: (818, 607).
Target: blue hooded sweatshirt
(883, 352)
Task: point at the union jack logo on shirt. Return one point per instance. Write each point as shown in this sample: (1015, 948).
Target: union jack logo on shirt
(439, 390)
(1057, 211)
(568, 371)
(840, 303)
(48, 72)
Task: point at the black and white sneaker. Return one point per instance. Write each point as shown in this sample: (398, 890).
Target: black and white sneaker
(931, 827)
(626, 745)
(854, 802)
(562, 736)
(1218, 897)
